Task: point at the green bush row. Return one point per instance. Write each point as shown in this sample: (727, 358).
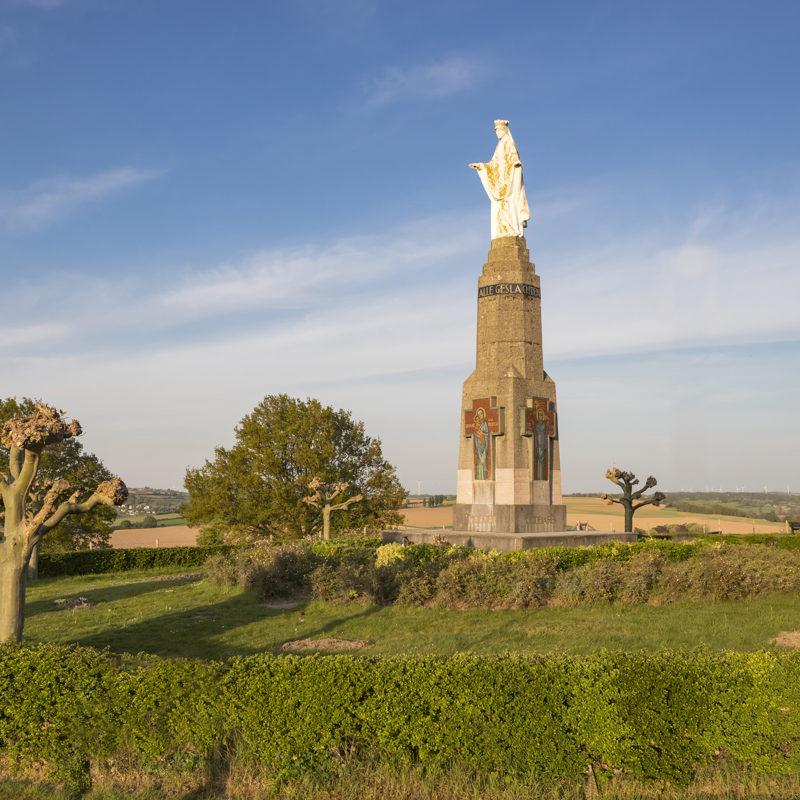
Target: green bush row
(790, 542)
(93, 562)
(483, 580)
(459, 577)
(656, 716)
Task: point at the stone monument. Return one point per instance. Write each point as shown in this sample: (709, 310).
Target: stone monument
(509, 471)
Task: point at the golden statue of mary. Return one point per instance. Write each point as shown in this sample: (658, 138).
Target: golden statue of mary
(502, 179)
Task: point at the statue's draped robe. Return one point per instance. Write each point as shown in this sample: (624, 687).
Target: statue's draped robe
(481, 440)
(502, 179)
(540, 447)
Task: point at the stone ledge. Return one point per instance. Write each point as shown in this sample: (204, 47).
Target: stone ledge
(508, 542)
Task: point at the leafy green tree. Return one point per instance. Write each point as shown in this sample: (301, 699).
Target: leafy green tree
(65, 460)
(257, 487)
(149, 522)
(212, 532)
(626, 481)
(31, 506)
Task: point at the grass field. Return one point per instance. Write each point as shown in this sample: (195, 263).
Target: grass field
(195, 619)
(161, 519)
(603, 517)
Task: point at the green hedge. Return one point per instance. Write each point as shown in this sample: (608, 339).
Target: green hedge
(336, 547)
(657, 716)
(571, 557)
(782, 542)
(93, 562)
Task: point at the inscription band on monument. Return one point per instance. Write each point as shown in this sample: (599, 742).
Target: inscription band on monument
(494, 289)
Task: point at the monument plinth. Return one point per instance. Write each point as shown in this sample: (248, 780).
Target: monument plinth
(509, 471)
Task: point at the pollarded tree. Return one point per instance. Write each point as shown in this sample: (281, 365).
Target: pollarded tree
(627, 480)
(257, 488)
(323, 499)
(33, 507)
(67, 460)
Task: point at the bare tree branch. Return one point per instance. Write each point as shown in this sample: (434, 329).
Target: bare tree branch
(108, 493)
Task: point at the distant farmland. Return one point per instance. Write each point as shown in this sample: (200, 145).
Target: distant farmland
(603, 517)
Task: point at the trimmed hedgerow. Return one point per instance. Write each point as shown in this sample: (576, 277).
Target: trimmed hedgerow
(657, 716)
(94, 562)
(782, 542)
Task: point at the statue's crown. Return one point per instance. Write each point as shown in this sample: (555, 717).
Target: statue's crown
(501, 123)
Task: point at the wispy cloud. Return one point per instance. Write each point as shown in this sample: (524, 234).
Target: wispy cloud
(304, 277)
(430, 80)
(48, 200)
(25, 335)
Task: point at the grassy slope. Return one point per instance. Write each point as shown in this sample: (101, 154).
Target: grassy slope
(195, 619)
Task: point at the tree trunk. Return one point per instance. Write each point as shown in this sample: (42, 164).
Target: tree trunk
(33, 565)
(629, 518)
(326, 521)
(12, 597)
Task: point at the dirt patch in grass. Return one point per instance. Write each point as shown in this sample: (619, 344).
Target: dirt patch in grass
(75, 604)
(282, 605)
(787, 639)
(176, 577)
(322, 644)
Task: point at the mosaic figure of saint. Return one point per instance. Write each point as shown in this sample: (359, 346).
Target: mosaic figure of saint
(481, 440)
(540, 441)
(502, 179)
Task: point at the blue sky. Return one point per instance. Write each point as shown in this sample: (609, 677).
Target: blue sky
(203, 203)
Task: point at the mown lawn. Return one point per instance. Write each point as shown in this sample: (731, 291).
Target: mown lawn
(195, 619)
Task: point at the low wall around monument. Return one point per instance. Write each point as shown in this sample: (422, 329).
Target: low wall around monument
(507, 542)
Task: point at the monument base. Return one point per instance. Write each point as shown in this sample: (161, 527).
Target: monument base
(506, 542)
(477, 518)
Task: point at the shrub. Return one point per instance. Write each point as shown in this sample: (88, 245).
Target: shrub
(600, 581)
(388, 553)
(271, 570)
(672, 528)
(475, 583)
(534, 583)
(569, 587)
(417, 584)
(641, 576)
(353, 576)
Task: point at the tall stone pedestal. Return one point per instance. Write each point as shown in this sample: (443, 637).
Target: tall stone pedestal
(509, 470)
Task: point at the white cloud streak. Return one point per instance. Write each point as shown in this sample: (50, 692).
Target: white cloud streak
(428, 81)
(48, 200)
(302, 277)
(377, 324)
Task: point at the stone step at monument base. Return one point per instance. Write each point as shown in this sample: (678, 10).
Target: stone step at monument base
(506, 542)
